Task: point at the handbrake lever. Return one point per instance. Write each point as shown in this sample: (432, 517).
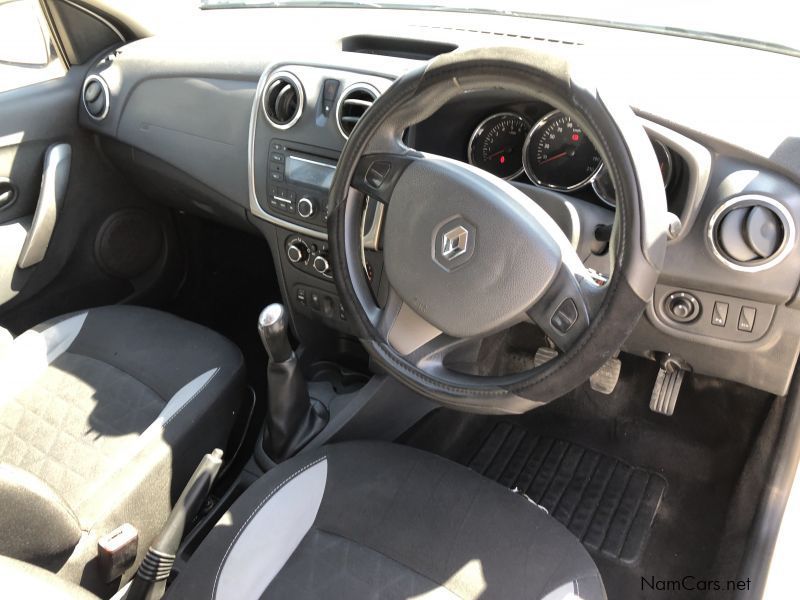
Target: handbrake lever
(150, 581)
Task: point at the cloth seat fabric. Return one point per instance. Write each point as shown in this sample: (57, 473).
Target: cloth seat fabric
(376, 520)
(104, 415)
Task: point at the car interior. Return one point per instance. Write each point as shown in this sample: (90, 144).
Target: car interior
(342, 300)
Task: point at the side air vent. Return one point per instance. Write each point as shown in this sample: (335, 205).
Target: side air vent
(751, 233)
(353, 103)
(282, 100)
(96, 97)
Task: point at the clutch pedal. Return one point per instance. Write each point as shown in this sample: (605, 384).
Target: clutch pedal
(668, 385)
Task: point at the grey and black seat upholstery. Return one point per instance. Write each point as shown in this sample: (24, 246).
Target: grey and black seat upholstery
(375, 520)
(104, 415)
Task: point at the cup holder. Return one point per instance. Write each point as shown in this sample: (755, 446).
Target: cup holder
(343, 381)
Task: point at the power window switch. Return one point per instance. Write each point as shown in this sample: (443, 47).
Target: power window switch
(747, 318)
(720, 314)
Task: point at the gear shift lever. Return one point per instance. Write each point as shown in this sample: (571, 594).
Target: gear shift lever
(291, 418)
(273, 330)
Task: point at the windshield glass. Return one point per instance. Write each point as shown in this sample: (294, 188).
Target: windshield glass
(767, 24)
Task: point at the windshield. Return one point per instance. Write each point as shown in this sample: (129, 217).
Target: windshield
(765, 24)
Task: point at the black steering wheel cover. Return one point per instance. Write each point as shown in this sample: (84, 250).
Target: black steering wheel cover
(638, 248)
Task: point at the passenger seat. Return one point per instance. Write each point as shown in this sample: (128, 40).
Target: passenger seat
(104, 415)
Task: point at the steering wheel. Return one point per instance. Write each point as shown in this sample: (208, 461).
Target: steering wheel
(467, 254)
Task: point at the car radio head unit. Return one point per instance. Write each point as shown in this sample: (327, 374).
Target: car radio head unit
(298, 182)
(302, 170)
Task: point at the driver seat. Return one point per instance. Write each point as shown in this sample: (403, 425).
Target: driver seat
(377, 520)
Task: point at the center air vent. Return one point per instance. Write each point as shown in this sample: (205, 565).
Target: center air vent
(282, 100)
(353, 103)
(95, 97)
(751, 233)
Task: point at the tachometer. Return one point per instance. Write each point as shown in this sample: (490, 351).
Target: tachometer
(559, 155)
(496, 144)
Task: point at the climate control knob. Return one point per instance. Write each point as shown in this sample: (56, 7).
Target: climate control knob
(297, 251)
(321, 264)
(306, 207)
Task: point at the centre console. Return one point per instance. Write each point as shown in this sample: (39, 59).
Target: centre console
(300, 120)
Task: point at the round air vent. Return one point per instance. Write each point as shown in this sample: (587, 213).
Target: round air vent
(751, 233)
(282, 100)
(353, 103)
(96, 97)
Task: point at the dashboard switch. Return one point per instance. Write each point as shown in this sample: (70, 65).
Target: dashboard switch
(682, 307)
(747, 318)
(329, 90)
(720, 315)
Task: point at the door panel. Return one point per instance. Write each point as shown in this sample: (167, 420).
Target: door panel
(32, 118)
(97, 253)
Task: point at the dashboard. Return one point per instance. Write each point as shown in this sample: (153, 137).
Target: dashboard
(248, 132)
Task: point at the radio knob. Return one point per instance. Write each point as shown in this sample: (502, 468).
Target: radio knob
(297, 251)
(321, 264)
(305, 207)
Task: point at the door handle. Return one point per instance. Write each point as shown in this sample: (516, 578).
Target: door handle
(8, 193)
(51, 198)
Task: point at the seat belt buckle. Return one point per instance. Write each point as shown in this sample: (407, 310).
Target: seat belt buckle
(116, 551)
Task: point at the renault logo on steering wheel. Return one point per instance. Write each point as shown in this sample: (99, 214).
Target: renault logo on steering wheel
(453, 242)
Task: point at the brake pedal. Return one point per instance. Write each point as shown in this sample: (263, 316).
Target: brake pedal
(604, 380)
(667, 386)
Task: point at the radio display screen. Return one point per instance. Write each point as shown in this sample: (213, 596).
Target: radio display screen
(309, 172)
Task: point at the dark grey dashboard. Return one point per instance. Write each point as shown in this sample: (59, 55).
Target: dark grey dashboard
(188, 120)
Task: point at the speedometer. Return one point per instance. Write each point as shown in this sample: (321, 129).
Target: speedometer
(559, 155)
(496, 144)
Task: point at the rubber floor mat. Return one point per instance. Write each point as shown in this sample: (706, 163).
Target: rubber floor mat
(606, 503)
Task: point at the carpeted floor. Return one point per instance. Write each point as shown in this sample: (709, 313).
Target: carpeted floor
(697, 454)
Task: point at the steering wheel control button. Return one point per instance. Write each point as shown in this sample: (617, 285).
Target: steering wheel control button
(747, 319)
(719, 315)
(682, 307)
(565, 316)
(453, 243)
(377, 172)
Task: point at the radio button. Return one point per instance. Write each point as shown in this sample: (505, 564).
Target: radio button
(305, 207)
(276, 157)
(276, 176)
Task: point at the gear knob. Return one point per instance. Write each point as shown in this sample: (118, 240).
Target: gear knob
(273, 328)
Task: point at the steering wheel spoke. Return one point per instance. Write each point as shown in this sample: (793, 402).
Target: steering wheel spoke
(567, 308)
(376, 175)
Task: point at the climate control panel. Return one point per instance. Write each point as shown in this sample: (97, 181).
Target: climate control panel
(309, 255)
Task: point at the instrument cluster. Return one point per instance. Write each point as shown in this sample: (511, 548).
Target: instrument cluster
(553, 152)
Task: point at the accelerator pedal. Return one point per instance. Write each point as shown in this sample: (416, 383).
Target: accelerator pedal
(667, 386)
(604, 380)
